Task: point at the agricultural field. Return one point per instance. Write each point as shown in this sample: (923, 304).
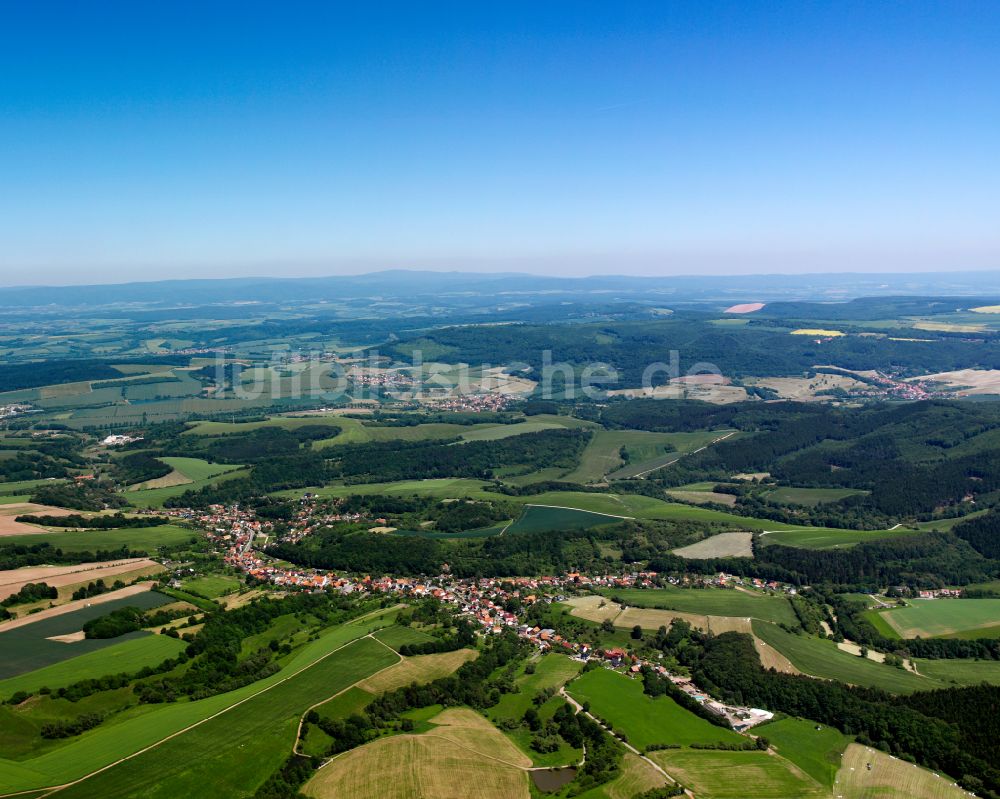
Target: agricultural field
(710, 602)
(142, 539)
(130, 655)
(419, 669)
(955, 618)
(30, 646)
(213, 586)
(829, 538)
(810, 497)
(596, 609)
(602, 457)
(952, 671)
(461, 755)
(397, 635)
(253, 727)
(155, 497)
(540, 519)
(822, 658)
(815, 748)
(66, 578)
(646, 721)
(721, 545)
(889, 778)
(185, 471)
(738, 775)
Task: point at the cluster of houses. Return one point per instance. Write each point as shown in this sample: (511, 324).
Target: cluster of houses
(493, 603)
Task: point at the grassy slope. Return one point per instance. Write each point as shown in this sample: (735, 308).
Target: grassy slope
(231, 755)
(821, 658)
(932, 617)
(645, 721)
(710, 602)
(814, 748)
(107, 744)
(143, 538)
(130, 655)
(738, 775)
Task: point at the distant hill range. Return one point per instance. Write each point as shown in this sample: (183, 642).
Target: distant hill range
(427, 285)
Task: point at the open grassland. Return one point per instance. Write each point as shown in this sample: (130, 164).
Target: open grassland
(702, 497)
(889, 778)
(28, 647)
(325, 664)
(397, 635)
(931, 618)
(646, 721)
(212, 586)
(185, 471)
(463, 756)
(829, 538)
(637, 776)
(815, 748)
(602, 456)
(821, 658)
(26, 486)
(419, 669)
(810, 497)
(722, 545)
(953, 671)
(127, 656)
(738, 775)
(710, 602)
(155, 497)
(145, 539)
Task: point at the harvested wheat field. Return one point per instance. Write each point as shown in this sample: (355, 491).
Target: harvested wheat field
(723, 545)
(597, 608)
(889, 778)
(466, 756)
(771, 658)
(637, 776)
(14, 580)
(8, 513)
(418, 669)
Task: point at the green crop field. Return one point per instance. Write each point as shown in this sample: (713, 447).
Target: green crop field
(397, 635)
(107, 744)
(821, 658)
(26, 486)
(829, 538)
(738, 775)
(646, 454)
(709, 602)
(954, 671)
(145, 539)
(28, 647)
(645, 721)
(540, 519)
(130, 655)
(127, 656)
(929, 618)
(495, 432)
(602, 455)
(212, 586)
(197, 468)
(441, 535)
(232, 754)
(788, 495)
(815, 748)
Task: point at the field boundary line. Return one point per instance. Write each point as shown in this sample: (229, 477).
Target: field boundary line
(639, 475)
(56, 788)
(302, 718)
(581, 510)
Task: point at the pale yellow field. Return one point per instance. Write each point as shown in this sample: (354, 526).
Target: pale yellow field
(723, 545)
(417, 669)
(968, 381)
(806, 388)
(816, 331)
(637, 777)
(702, 497)
(986, 309)
(771, 658)
(590, 608)
(889, 778)
(464, 757)
(174, 478)
(948, 327)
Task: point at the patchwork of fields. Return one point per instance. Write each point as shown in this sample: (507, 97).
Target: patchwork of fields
(944, 618)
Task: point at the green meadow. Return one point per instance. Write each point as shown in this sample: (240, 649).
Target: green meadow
(814, 748)
(932, 618)
(646, 721)
(145, 539)
(710, 602)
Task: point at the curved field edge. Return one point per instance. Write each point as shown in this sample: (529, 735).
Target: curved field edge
(105, 745)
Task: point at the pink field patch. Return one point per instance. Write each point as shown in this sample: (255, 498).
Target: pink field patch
(746, 307)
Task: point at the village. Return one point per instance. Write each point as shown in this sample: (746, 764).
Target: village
(484, 600)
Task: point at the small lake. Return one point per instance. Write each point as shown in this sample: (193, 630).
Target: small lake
(552, 779)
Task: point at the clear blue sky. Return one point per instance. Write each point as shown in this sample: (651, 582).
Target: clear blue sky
(142, 140)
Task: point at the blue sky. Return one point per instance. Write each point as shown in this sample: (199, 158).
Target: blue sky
(146, 140)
